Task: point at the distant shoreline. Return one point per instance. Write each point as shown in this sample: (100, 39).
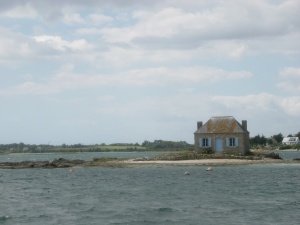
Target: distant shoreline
(118, 150)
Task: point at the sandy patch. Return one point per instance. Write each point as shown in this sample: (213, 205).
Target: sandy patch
(207, 162)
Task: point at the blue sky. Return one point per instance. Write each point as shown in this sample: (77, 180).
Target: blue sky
(96, 71)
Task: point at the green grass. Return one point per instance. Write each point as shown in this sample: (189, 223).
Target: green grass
(97, 148)
(91, 148)
(197, 155)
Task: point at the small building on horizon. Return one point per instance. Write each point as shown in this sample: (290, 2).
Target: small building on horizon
(223, 134)
(291, 141)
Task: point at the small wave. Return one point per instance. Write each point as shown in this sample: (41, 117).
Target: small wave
(165, 210)
(4, 218)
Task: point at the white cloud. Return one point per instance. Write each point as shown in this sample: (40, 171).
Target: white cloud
(290, 73)
(164, 76)
(264, 108)
(228, 21)
(239, 51)
(58, 43)
(251, 103)
(261, 103)
(291, 105)
(164, 23)
(73, 18)
(20, 12)
(14, 46)
(66, 79)
(168, 32)
(100, 19)
(290, 79)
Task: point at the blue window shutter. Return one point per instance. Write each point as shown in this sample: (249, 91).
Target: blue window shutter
(200, 142)
(236, 141)
(209, 142)
(227, 142)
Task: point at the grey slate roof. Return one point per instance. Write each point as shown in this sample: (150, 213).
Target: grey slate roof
(221, 125)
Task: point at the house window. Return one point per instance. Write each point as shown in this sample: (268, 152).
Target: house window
(205, 142)
(232, 142)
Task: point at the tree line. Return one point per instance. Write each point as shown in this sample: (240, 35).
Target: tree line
(258, 140)
(275, 139)
(160, 144)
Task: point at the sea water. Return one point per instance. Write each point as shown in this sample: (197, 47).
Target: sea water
(252, 194)
(246, 194)
(18, 157)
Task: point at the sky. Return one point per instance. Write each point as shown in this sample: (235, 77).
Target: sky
(98, 71)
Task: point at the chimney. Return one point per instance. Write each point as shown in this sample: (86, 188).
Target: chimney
(244, 125)
(199, 124)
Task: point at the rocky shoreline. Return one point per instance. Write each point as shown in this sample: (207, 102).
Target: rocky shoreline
(114, 162)
(58, 163)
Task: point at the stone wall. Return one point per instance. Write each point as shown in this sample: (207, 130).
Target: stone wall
(243, 142)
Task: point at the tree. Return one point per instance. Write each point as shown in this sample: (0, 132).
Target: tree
(160, 144)
(145, 143)
(258, 140)
(297, 135)
(270, 141)
(21, 145)
(278, 137)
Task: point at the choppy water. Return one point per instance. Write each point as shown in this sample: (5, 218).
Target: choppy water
(252, 194)
(288, 154)
(89, 156)
(83, 156)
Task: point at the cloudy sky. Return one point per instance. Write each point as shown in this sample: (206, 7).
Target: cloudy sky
(98, 71)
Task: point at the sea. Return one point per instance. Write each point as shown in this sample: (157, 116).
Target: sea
(264, 194)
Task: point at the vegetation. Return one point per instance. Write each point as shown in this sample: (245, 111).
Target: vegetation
(278, 137)
(273, 142)
(126, 147)
(256, 142)
(208, 151)
(272, 155)
(26, 148)
(190, 155)
(284, 147)
(167, 145)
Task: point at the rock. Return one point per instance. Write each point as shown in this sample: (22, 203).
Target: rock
(57, 163)
(209, 169)
(272, 155)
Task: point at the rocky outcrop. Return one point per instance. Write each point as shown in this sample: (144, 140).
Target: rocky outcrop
(272, 155)
(171, 159)
(57, 163)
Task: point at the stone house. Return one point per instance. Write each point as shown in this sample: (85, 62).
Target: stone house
(223, 134)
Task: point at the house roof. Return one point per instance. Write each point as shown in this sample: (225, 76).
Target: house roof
(291, 139)
(221, 124)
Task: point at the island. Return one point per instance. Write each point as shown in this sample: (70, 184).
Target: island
(172, 159)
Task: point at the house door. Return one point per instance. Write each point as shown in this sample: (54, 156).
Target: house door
(219, 144)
